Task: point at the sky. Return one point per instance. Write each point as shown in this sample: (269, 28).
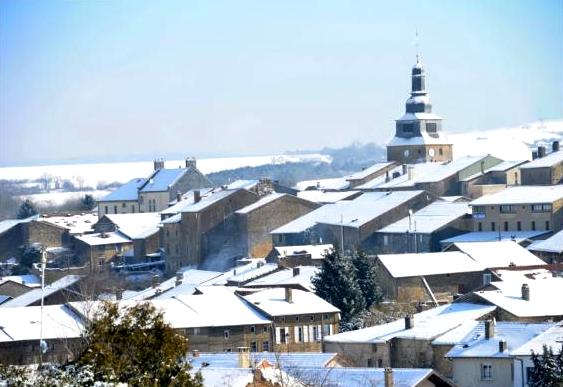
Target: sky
(105, 80)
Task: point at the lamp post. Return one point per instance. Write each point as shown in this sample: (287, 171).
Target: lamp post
(42, 344)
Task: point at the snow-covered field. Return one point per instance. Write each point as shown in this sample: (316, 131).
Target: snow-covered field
(508, 143)
(89, 175)
(58, 198)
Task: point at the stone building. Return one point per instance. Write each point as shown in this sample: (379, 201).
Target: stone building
(256, 220)
(60, 291)
(549, 250)
(12, 236)
(491, 180)
(124, 200)
(370, 173)
(520, 209)
(544, 170)
(58, 231)
(418, 134)
(99, 249)
(300, 319)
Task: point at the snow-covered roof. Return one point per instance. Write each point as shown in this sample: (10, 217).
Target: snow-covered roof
(552, 337)
(414, 265)
(245, 184)
(273, 303)
(553, 244)
(187, 200)
(337, 183)
(240, 276)
(430, 218)
(350, 213)
(505, 166)
(286, 277)
(8, 224)
(379, 180)
(316, 251)
(542, 303)
(283, 359)
(209, 200)
(419, 116)
(491, 236)
(552, 159)
(30, 280)
(522, 195)
(127, 192)
(499, 253)
(76, 224)
(138, 225)
(327, 196)
(427, 325)
(369, 171)
(163, 179)
(172, 219)
(35, 295)
(516, 334)
(107, 238)
(23, 323)
(262, 202)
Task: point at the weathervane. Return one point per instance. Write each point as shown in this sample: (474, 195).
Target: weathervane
(417, 46)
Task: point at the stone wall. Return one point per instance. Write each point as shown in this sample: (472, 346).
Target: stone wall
(117, 207)
(303, 333)
(361, 354)
(46, 234)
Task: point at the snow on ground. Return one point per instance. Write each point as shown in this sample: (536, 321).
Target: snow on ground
(123, 172)
(58, 198)
(508, 143)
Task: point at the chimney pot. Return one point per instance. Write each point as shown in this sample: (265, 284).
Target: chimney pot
(296, 271)
(158, 164)
(541, 151)
(289, 295)
(555, 146)
(534, 155)
(502, 346)
(405, 167)
(525, 292)
(489, 329)
(410, 172)
(388, 375)
(409, 321)
(191, 162)
(197, 196)
(179, 278)
(178, 196)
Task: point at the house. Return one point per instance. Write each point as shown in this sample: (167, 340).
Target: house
(298, 277)
(491, 180)
(544, 170)
(423, 230)
(550, 250)
(497, 254)
(63, 290)
(58, 231)
(256, 220)
(124, 200)
(300, 319)
(16, 285)
(370, 173)
(524, 296)
(100, 249)
(404, 342)
(520, 208)
(418, 133)
(21, 331)
(350, 223)
(428, 277)
(484, 355)
(523, 238)
(290, 256)
(325, 197)
(204, 233)
(441, 179)
(12, 236)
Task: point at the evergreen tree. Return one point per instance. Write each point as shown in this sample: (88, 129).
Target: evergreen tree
(27, 209)
(548, 369)
(88, 203)
(366, 273)
(337, 284)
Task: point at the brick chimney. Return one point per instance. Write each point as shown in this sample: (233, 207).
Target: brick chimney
(525, 292)
(409, 321)
(289, 295)
(388, 375)
(489, 329)
(158, 164)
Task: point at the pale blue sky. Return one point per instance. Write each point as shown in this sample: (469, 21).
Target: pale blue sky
(105, 79)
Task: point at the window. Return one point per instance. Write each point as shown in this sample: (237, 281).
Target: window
(265, 346)
(300, 334)
(316, 335)
(478, 209)
(431, 127)
(380, 363)
(529, 371)
(541, 207)
(327, 330)
(374, 348)
(283, 335)
(533, 225)
(493, 227)
(196, 331)
(227, 350)
(385, 240)
(123, 204)
(106, 209)
(441, 152)
(547, 225)
(265, 329)
(115, 209)
(487, 278)
(486, 372)
(480, 226)
(253, 346)
(133, 208)
(227, 334)
(296, 318)
(519, 226)
(408, 128)
(253, 329)
(505, 226)
(507, 209)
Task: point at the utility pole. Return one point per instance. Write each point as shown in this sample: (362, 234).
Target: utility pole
(42, 345)
(342, 234)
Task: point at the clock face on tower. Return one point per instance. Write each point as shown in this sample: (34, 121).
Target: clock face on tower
(431, 152)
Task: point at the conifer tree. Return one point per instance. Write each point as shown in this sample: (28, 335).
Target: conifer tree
(337, 284)
(366, 273)
(547, 370)
(27, 209)
(88, 203)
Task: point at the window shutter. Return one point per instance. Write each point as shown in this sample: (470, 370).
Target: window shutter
(306, 333)
(278, 340)
(296, 334)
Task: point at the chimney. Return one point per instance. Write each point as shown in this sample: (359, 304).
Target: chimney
(195, 353)
(387, 176)
(178, 196)
(555, 146)
(525, 292)
(404, 168)
(288, 295)
(411, 172)
(155, 281)
(534, 155)
(197, 196)
(489, 329)
(409, 321)
(179, 278)
(502, 346)
(191, 162)
(158, 164)
(388, 374)
(541, 151)
(482, 167)
(243, 357)
(296, 271)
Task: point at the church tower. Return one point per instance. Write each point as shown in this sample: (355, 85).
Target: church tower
(418, 133)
